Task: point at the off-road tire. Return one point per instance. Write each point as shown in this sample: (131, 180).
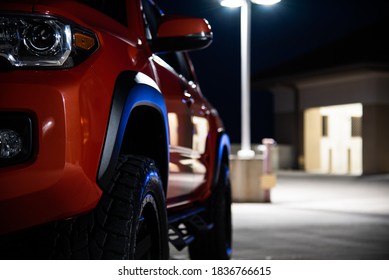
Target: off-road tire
(129, 222)
(131, 219)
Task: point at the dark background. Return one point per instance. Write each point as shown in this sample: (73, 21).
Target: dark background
(279, 33)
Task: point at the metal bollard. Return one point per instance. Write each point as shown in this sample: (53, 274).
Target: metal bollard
(268, 178)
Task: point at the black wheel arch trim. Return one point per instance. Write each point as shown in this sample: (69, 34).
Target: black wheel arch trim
(131, 91)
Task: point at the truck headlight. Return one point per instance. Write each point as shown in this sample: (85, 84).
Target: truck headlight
(42, 41)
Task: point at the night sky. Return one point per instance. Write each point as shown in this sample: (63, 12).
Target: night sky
(279, 33)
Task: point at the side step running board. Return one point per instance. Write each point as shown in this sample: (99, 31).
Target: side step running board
(183, 230)
(179, 236)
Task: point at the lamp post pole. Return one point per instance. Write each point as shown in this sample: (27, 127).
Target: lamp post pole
(245, 29)
(245, 42)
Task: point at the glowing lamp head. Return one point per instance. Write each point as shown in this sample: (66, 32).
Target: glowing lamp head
(232, 3)
(239, 3)
(266, 2)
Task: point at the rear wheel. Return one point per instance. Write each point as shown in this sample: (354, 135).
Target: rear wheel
(217, 242)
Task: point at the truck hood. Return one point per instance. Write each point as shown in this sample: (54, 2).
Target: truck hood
(22, 5)
(17, 6)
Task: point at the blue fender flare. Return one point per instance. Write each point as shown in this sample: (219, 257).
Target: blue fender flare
(224, 146)
(131, 91)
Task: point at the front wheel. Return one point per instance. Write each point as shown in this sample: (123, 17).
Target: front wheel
(131, 218)
(129, 222)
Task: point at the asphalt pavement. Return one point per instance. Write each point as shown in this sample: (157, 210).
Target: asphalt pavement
(314, 217)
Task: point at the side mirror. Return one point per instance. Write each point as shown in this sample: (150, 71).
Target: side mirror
(177, 33)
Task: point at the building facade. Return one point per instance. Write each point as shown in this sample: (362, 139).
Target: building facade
(335, 121)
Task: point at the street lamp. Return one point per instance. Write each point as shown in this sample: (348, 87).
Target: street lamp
(245, 19)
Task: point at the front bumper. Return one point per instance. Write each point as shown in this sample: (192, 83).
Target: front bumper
(69, 111)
